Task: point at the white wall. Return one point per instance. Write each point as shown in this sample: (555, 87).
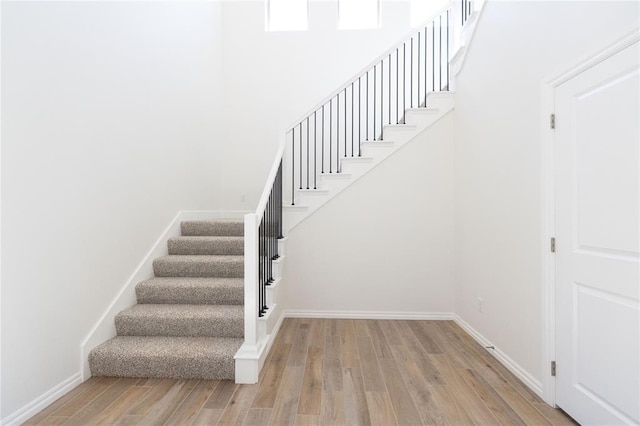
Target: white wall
(517, 45)
(109, 112)
(273, 78)
(384, 244)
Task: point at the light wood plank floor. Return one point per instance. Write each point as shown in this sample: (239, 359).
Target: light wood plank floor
(329, 372)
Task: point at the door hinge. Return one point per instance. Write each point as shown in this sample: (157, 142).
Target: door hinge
(553, 368)
(553, 245)
(552, 121)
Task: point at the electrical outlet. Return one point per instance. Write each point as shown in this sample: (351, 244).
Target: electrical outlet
(243, 198)
(481, 305)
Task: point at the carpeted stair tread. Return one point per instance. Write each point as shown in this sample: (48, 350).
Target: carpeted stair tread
(204, 358)
(181, 320)
(222, 227)
(206, 245)
(199, 266)
(191, 290)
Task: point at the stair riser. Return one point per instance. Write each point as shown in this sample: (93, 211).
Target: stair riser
(272, 295)
(443, 101)
(278, 268)
(185, 327)
(190, 269)
(282, 247)
(356, 169)
(377, 152)
(191, 296)
(398, 134)
(292, 218)
(206, 247)
(267, 323)
(421, 118)
(334, 185)
(221, 229)
(132, 366)
(426, 121)
(311, 201)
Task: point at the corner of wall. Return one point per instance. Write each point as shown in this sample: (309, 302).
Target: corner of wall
(522, 374)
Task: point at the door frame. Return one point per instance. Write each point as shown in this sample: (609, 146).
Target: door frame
(548, 206)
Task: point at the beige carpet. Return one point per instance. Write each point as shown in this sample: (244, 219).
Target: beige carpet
(188, 322)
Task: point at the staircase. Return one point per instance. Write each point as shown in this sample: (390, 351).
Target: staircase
(189, 320)
(211, 310)
(372, 153)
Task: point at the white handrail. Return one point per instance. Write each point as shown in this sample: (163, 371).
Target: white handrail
(271, 177)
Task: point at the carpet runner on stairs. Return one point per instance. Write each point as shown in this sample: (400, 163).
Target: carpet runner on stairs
(188, 322)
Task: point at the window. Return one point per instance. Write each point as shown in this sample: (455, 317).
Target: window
(287, 15)
(421, 10)
(358, 14)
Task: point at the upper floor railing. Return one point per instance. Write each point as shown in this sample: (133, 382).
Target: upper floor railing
(399, 79)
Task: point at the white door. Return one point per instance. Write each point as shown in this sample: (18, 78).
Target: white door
(597, 227)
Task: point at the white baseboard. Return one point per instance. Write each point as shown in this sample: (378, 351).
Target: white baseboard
(40, 403)
(370, 315)
(105, 329)
(522, 374)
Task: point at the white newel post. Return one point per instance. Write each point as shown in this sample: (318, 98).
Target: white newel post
(247, 357)
(251, 279)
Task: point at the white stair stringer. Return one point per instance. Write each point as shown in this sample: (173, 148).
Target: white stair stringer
(250, 358)
(394, 136)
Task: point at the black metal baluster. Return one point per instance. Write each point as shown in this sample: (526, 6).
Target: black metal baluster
(389, 88)
(345, 122)
(267, 244)
(259, 272)
(330, 132)
(259, 276)
(315, 149)
(280, 201)
(381, 97)
(272, 234)
(440, 54)
(433, 56)
(322, 150)
(261, 265)
(338, 133)
(300, 132)
(293, 167)
(352, 122)
(366, 106)
(426, 62)
(418, 69)
(307, 152)
(404, 77)
(411, 75)
(448, 24)
(261, 262)
(359, 116)
(397, 85)
(265, 267)
(375, 88)
(272, 252)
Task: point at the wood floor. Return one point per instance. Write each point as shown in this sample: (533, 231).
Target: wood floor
(329, 372)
